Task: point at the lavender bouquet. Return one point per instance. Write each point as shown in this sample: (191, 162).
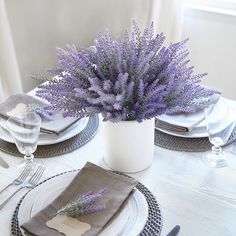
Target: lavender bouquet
(134, 77)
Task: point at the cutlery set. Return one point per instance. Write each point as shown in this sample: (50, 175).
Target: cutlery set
(25, 180)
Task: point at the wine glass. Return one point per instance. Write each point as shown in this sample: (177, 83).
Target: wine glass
(219, 132)
(25, 132)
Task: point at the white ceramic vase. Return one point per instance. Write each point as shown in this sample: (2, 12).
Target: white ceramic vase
(128, 145)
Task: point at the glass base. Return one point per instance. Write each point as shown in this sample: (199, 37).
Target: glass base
(215, 160)
(32, 163)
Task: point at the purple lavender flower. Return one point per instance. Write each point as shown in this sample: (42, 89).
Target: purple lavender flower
(132, 78)
(86, 203)
(45, 112)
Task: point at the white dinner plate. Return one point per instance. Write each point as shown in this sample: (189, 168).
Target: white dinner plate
(47, 139)
(200, 130)
(130, 221)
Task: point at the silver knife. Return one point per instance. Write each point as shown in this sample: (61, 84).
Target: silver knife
(174, 231)
(3, 163)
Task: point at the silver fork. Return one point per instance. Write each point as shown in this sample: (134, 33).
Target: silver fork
(21, 178)
(30, 183)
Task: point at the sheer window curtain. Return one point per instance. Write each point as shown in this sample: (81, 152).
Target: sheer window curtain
(10, 81)
(21, 20)
(169, 17)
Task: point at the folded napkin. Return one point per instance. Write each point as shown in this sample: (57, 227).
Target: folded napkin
(17, 104)
(90, 178)
(180, 123)
(185, 122)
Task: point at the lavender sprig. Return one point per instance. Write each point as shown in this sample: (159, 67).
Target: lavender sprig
(134, 77)
(85, 204)
(45, 112)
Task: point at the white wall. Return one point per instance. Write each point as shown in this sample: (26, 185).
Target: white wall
(39, 26)
(212, 34)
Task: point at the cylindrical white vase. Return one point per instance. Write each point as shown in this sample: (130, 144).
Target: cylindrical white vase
(128, 145)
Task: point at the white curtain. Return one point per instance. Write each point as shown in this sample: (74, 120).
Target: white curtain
(169, 17)
(10, 81)
(31, 30)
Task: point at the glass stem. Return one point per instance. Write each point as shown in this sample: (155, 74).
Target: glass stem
(29, 157)
(216, 150)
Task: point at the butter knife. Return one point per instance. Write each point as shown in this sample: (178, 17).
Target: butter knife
(174, 231)
(3, 163)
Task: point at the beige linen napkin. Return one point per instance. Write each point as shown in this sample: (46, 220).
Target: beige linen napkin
(17, 104)
(171, 127)
(179, 123)
(90, 178)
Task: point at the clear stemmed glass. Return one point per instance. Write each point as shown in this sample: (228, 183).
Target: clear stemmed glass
(25, 132)
(219, 132)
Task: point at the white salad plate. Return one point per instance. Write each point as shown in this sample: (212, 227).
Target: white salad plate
(200, 130)
(129, 221)
(47, 139)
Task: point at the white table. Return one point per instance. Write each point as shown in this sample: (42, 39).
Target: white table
(200, 199)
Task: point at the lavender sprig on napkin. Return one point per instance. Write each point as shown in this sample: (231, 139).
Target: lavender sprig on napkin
(43, 111)
(86, 203)
(21, 103)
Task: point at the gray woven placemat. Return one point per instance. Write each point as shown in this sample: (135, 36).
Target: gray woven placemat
(152, 227)
(57, 149)
(186, 144)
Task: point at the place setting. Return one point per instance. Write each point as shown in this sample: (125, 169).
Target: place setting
(57, 136)
(212, 127)
(85, 200)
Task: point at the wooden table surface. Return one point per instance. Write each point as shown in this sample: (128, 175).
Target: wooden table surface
(202, 200)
